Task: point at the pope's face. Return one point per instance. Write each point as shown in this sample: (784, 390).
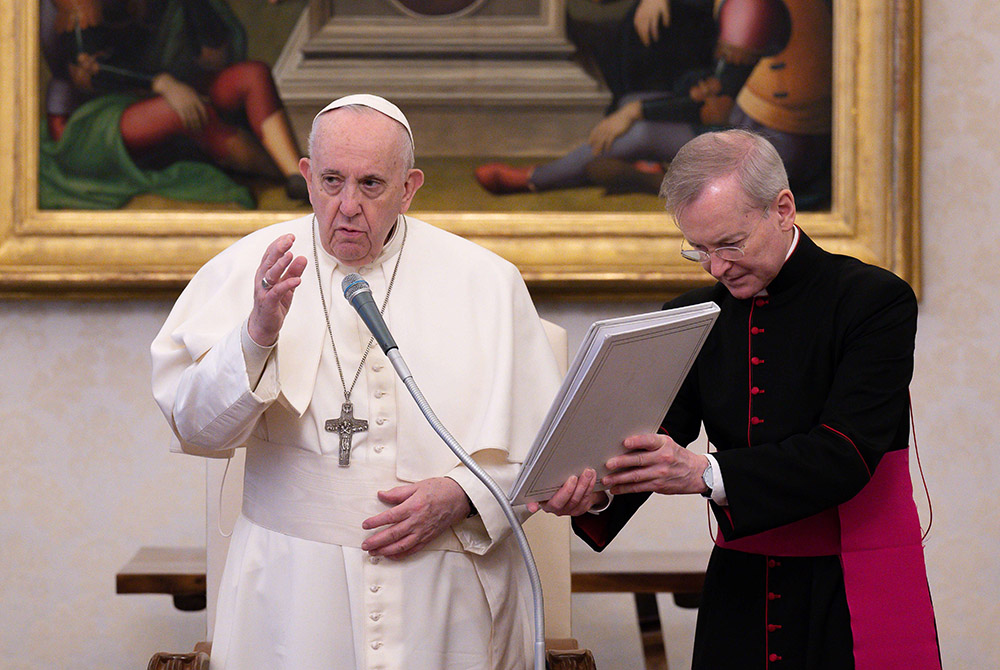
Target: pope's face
(721, 217)
(358, 183)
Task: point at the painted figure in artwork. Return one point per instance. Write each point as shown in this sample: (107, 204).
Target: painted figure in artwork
(772, 74)
(156, 96)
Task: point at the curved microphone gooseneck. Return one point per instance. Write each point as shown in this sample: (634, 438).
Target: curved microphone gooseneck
(359, 294)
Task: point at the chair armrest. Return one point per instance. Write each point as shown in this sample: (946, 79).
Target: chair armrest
(194, 660)
(569, 659)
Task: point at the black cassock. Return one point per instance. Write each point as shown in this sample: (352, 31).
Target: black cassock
(801, 391)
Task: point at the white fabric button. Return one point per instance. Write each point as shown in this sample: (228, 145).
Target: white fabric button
(377, 367)
(380, 393)
(375, 616)
(380, 420)
(376, 644)
(374, 588)
(379, 448)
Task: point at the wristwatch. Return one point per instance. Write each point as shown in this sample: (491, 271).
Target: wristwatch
(709, 478)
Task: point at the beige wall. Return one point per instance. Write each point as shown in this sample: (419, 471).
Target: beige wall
(85, 477)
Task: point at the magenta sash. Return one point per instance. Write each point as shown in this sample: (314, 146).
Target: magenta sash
(877, 536)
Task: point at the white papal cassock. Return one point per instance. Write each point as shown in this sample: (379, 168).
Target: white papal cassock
(297, 591)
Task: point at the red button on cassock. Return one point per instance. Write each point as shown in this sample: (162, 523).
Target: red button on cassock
(773, 658)
(756, 361)
(756, 420)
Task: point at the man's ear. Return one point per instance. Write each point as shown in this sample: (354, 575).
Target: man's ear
(414, 180)
(784, 205)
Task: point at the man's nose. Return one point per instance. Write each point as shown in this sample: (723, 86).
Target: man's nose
(717, 266)
(350, 200)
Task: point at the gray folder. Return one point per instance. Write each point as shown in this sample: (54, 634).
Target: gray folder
(622, 381)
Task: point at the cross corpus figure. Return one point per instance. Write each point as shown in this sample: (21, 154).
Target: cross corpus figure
(346, 425)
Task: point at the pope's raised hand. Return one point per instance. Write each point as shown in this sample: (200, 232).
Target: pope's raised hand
(274, 284)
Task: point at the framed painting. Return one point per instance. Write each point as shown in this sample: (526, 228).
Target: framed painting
(592, 253)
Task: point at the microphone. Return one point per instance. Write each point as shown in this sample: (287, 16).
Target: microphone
(359, 294)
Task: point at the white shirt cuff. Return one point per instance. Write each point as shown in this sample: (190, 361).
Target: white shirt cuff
(254, 355)
(718, 486)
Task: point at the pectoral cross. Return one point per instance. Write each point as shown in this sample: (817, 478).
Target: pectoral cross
(346, 425)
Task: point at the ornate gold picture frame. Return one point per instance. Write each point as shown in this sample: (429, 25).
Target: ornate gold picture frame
(874, 213)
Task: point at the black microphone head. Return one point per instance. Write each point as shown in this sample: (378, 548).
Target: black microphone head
(354, 284)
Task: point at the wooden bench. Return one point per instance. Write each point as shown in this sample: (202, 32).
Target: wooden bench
(175, 571)
(644, 574)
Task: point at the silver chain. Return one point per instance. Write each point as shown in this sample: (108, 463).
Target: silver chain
(326, 311)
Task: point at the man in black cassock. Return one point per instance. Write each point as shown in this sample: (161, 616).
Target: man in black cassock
(802, 387)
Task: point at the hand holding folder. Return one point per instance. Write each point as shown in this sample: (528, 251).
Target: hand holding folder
(621, 382)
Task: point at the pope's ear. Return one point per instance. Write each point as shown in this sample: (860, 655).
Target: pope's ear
(414, 180)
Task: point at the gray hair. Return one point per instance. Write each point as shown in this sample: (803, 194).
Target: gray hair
(406, 145)
(710, 156)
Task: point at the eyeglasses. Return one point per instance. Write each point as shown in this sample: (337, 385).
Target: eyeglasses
(731, 254)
